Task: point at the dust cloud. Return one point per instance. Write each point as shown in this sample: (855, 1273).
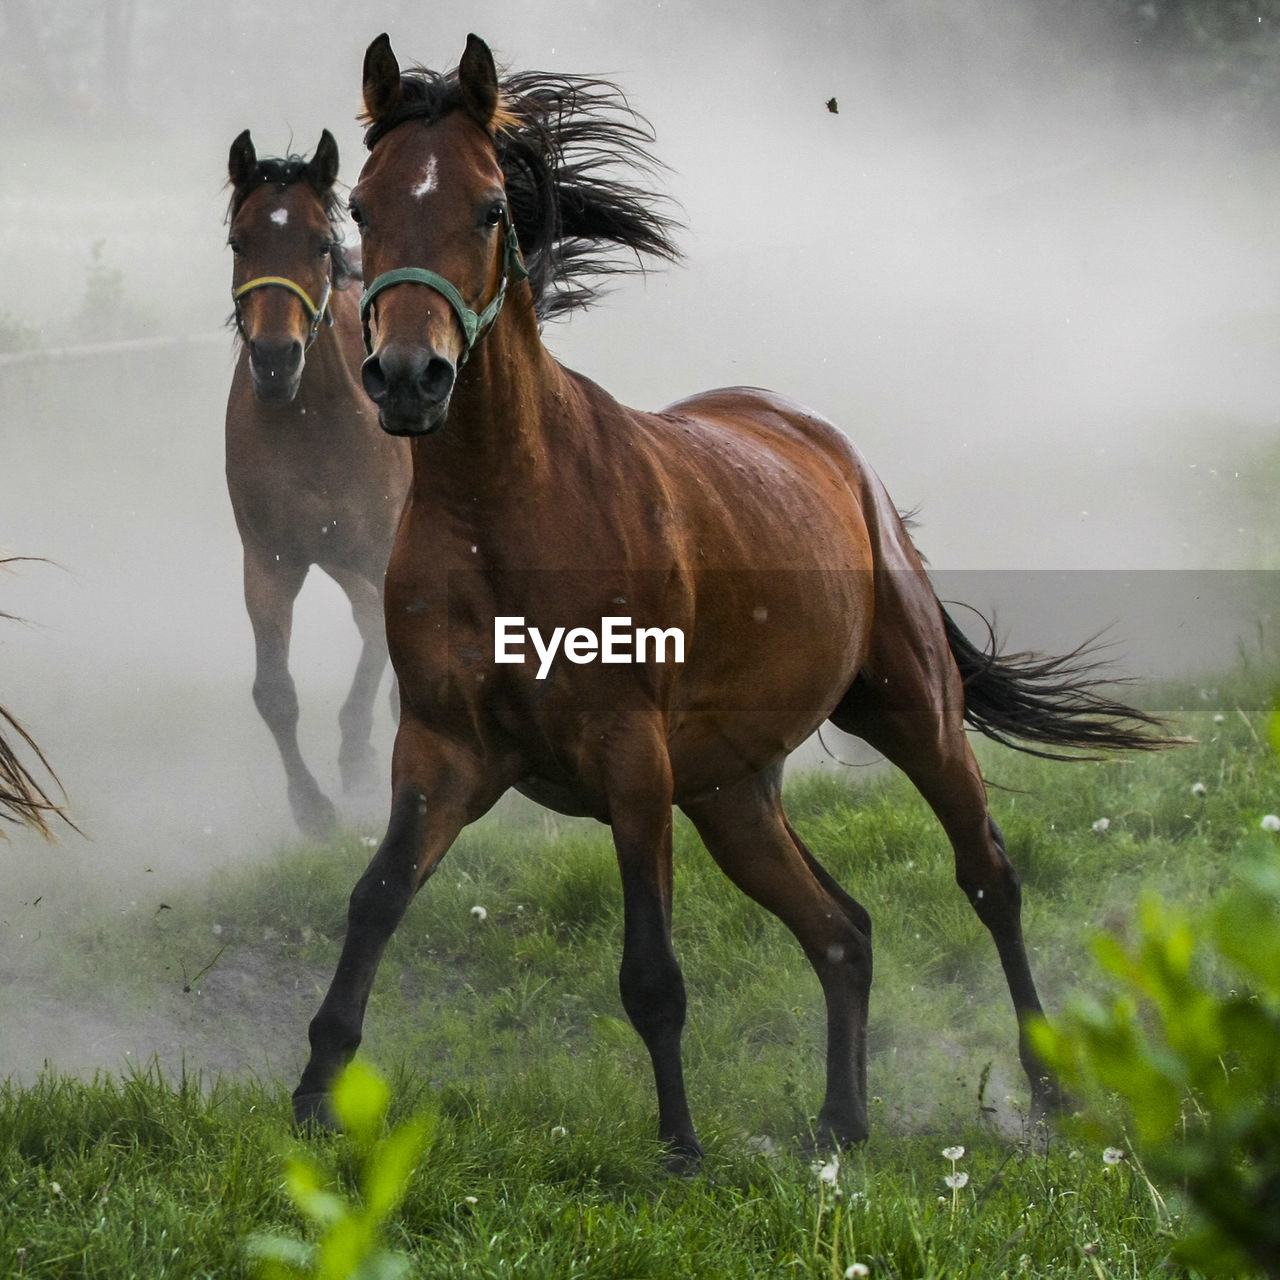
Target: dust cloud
(1037, 287)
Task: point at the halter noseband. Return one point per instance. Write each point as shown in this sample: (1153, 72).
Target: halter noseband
(474, 325)
(316, 314)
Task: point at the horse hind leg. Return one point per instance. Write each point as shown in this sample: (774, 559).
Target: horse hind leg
(270, 588)
(916, 719)
(747, 834)
(650, 982)
(357, 759)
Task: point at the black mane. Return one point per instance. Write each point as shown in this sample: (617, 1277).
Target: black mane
(282, 172)
(578, 173)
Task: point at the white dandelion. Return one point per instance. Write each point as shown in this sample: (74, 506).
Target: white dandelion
(1270, 822)
(1199, 789)
(1112, 1156)
(479, 913)
(1101, 825)
(953, 1153)
(957, 1181)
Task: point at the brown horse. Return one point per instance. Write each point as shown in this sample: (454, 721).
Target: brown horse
(737, 519)
(312, 479)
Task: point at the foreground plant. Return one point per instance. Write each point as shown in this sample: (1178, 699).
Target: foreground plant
(349, 1245)
(1198, 1069)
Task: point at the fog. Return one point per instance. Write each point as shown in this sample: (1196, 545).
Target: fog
(1034, 279)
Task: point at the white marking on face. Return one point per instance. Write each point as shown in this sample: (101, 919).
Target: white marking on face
(280, 217)
(427, 182)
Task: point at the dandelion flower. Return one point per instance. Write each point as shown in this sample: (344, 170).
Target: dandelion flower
(828, 1172)
(1112, 1155)
(479, 913)
(558, 1132)
(1219, 718)
(855, 1270)
(1271, 823)
(1101, 825)
(957, 1180)
(952, 1153)
(1199, 789)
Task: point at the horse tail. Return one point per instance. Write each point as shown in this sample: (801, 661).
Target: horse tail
(1031, 702)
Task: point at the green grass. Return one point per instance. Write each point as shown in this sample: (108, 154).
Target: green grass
(513, 1028)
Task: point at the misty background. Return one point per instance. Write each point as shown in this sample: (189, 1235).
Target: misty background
(1030, 263)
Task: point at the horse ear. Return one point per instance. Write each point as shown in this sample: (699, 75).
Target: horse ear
(478, 81)
(243, 160)
(322, 169)
(381, 79)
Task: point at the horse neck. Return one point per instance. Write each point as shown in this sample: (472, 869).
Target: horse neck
(331, 374)
(507, 414)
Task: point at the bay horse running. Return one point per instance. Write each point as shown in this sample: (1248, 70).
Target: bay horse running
(736, 521)
(312, 478)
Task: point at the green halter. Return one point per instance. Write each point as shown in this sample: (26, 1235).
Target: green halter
(474, 325)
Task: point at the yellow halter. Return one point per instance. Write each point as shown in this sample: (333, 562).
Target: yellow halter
(315, 313)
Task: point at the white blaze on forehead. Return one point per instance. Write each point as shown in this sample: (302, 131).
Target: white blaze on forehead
(280, 217)
(426, 179)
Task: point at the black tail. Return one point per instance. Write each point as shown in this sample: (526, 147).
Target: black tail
(1029, 702)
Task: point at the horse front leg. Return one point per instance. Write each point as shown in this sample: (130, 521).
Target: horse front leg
(639, 790)
(431, 803)
(357, 760)
(270, 588)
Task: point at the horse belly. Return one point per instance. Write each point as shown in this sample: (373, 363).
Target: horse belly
(761, 681)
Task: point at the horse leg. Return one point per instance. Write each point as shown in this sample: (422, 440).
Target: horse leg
(909, 704)
(270, 588)
(357, 760)
(639, 789)
(748, 835)
(431, 803)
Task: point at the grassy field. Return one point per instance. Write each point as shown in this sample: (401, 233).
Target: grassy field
(544, 1163)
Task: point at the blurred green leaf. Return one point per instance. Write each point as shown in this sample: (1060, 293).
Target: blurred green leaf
(360, 1099)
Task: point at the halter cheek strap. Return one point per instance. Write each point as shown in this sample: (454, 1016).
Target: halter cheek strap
(474, 325)
(316, 314)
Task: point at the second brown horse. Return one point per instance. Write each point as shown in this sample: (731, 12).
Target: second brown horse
(312, 478)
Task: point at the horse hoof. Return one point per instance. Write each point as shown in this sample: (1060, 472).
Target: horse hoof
(684, 1156)
(360, 771)
(838, 1132)
(312, 1114)
(316, 817)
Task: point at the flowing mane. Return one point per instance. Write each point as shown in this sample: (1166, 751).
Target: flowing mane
(578, 173)
(282, 172)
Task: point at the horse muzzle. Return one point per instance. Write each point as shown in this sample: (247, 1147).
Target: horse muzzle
(276, 368)
(411, 387)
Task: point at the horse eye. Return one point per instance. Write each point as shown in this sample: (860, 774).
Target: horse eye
(325, 250)
(494, 214)
(356, 216)
(236, 247)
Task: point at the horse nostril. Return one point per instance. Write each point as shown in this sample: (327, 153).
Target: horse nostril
(276, 359)
(374, 379)
(436, 380)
